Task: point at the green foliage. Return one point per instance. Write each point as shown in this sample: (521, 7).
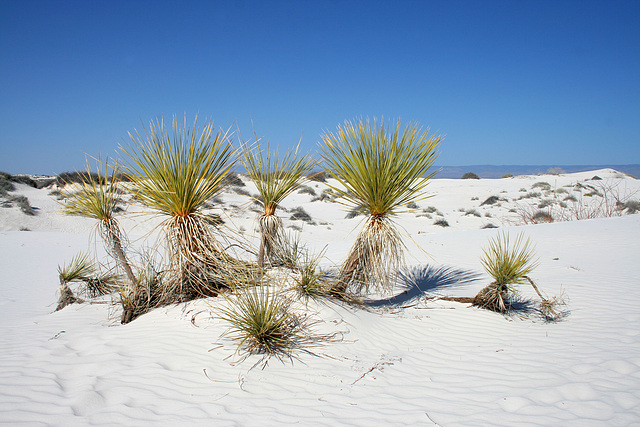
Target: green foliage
(262, 322)
(275, 177)
(470, 175)
(381, 169)
(509, 261)
(94, 199)
(176, 173)
(80, 269)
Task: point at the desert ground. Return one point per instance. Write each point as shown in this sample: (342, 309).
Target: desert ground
(408, 358)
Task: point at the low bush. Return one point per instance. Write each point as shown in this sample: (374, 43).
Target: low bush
(321, 176)
(470, 175)
(300, 214)
(305, 189)
(233, 180)
(491, 200)
(441, 222)
(542, 185)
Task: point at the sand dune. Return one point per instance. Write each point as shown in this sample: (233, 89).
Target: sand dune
(406, 361)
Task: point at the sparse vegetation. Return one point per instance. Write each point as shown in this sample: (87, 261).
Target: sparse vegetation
(441, 222)
(491, 200)
(470, 175)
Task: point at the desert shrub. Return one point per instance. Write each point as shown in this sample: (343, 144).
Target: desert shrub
(473, 212)
(508, 175)
(511, 264)
(310, 283)
(263, 322)
(80, 178)
(488, 215)
(305, 189)
(412, 205)
(555, 171)
(441, 222)
(489, 225)
(175, 174)
(241, 191)
(545, 203)
(301, 215)
(321, 176)
(275, 177)
(430, 209)
(542, 185)
(470, 175)
(5, 184)
(632, 206)
(596, 178)
(491, 200)
(570, 198)
(475, 198)
(355, 212)
(523, 190)
(380, 168)
(530, 195)
(326, 195)
(233, 180)
(541, 216)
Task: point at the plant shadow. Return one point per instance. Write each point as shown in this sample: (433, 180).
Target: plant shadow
(418, 281)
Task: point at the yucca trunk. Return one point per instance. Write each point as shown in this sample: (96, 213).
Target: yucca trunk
(66, 295)
(270, 226)
(374, 257)
(196, 256)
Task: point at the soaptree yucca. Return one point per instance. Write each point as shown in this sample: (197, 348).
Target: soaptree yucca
(275, 178)
(509, 262)
(381, 168)
(98, 199)
(175, 173)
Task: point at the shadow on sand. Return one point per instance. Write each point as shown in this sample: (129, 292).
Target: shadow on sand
(418, 281)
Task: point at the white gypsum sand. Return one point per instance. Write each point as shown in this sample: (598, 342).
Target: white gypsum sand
(413, 362)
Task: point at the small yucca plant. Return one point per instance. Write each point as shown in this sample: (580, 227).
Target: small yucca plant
(275, 178)
(382, 169)
(509, 262)
(80, 269)
(262, 322)
(98, 200)
(175, 174)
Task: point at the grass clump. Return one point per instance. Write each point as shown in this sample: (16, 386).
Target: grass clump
(381, 169)
(275, 178)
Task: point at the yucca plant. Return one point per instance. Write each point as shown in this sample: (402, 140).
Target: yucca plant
(80, 269)
(381, 168)
(275, 178)
(509, 262)
(175, 174)
(262, 322)
(98, 200)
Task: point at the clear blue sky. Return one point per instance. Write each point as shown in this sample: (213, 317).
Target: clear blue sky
(507, 82)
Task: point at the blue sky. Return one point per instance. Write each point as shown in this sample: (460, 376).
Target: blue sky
(513, 82)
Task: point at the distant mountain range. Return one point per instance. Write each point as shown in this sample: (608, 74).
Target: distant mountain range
(492, 171)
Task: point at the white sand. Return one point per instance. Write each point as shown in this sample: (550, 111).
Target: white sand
(429, 363)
